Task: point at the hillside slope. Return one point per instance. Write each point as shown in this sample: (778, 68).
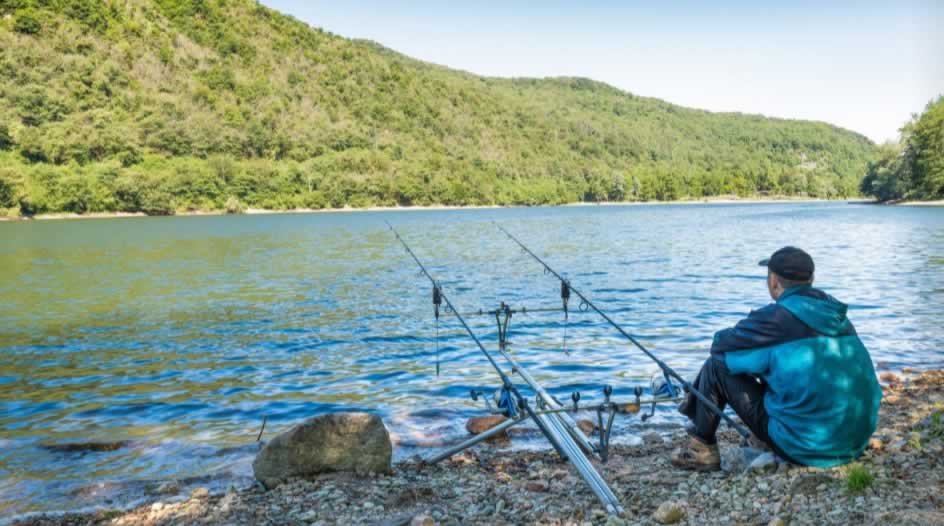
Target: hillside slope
(185, 104)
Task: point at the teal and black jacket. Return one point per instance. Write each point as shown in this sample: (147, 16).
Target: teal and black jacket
(822, 396)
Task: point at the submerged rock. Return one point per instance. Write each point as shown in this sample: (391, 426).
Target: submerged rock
(89, 447)
(355, 442)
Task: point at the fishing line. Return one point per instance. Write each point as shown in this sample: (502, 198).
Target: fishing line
(667, 371)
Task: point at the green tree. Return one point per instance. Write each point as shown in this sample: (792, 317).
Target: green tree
(926, 145)
(885, 177)
(6, 139)
(915, 167)
(9, 184)
(27, 21)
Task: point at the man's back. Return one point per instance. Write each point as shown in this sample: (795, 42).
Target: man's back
(822, 394)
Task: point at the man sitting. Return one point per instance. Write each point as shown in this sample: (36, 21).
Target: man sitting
(795, 372)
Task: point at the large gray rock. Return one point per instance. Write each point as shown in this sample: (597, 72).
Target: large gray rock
(356, 442)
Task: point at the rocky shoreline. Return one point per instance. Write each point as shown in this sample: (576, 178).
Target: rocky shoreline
(899, 480)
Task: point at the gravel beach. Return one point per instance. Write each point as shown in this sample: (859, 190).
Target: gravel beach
(899, 480)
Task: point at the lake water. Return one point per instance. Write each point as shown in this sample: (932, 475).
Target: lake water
(179, 335)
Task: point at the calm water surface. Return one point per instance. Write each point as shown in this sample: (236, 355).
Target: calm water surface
(179, 335)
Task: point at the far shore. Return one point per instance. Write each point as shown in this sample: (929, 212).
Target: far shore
(720, 200)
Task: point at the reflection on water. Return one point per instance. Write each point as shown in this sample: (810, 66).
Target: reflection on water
(178, 335)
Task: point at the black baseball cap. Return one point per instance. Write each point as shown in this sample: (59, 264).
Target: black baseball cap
(790, 263)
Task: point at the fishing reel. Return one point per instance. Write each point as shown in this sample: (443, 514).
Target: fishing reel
(661, 388)
(504, 403)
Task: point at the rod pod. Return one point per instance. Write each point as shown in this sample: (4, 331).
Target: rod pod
(555, 427)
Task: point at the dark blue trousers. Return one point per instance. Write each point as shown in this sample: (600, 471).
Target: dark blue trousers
(743, 393)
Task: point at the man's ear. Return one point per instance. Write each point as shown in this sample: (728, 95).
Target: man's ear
(773, 285)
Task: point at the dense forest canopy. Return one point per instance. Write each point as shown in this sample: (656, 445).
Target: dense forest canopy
(169, 105)
(913, 168)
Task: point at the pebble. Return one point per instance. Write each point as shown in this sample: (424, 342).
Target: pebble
(538, 486)
(422, 520)
(890, 378)
(669, 513)
(652, 439)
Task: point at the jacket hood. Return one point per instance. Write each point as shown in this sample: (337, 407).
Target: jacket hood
(824, 314)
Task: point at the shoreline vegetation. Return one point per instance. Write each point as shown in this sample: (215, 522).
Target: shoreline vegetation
(171, 105)
(720, 200)
(897, 480)
(266, 211)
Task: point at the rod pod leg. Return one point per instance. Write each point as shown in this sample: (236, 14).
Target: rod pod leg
(475, 440)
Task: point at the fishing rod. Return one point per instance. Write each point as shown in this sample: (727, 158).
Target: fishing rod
(555, 427)
(666, 370)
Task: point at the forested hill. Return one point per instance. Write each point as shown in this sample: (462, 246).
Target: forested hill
(164, 105)
(913, 168)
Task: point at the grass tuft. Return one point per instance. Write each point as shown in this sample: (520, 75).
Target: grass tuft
(936, 424)
(858, 478)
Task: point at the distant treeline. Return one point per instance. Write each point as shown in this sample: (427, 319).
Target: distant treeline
(913, 168)
(167, 105)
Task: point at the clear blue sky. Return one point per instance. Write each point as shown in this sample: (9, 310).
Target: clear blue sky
(865, 66)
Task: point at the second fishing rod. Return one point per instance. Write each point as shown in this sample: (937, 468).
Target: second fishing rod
(666, 370)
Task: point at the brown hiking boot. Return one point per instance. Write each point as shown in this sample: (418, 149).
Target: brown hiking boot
(697, 456)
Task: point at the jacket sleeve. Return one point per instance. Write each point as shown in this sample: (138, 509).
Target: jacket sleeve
(761, 328)
(744, 347)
